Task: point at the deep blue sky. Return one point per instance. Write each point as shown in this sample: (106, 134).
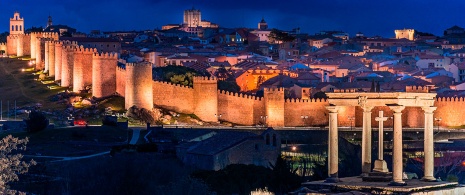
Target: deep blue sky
(372, 17)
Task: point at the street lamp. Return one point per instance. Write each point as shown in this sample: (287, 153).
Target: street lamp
(219, 117)
(437, 121)
(304, 118)
(351, 119)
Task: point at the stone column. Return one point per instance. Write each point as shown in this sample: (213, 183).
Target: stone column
(429, 144)
(397, 165)
(380, 164)
(366, 140)
(333, 158)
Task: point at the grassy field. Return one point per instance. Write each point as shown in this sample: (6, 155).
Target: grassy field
(18, 83)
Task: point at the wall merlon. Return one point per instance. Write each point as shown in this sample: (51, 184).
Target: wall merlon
(417, 89)
(204, 79)
(344, 90)
(280, 89)
(81, 49)
(105, 55)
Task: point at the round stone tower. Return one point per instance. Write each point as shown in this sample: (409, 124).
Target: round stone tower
(51, 58)
(274, 106)
(139, 91)
(33, 44)
(67, 60)
(82, 68)
(58, 51)
(19, 45)
(104, 74)
(205, 98)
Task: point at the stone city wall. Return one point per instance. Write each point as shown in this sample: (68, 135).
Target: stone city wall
(239, 108)
(58, 52)
(121, 80)
(104, 74)
(176, 97)
(139, 91)
(82, 68)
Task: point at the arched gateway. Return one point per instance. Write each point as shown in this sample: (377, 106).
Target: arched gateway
(396, 101)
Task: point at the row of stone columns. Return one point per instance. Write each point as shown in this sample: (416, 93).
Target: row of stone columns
(397, 172)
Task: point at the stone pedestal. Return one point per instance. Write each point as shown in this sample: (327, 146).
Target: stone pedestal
(381, 166)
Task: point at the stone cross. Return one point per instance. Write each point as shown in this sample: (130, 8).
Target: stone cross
(380, 164)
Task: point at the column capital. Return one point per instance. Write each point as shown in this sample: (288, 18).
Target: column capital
(333, 109)
(429, 109)
(367, 108)
(397, 109)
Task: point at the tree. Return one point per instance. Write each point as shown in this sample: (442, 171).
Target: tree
(320, 95)
(12, 164)
(280, 36)
(36, 122)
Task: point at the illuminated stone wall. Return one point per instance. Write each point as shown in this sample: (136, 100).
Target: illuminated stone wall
(46, 55)
(174, 97)
(206, 98)
(67, 61)
(58, 51)
(139, 91)
(51, 58)
(451, 110)
(19, 45)
(274, 106)
(239, 108)
(120, 80)
(315, 110)
(11, 45)
(82, 68)
(33, 43)
(104, 74)
(26, 44)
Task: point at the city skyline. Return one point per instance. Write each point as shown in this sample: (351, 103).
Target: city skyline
(311, 17)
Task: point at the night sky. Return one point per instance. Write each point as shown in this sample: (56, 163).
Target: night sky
(372, 17)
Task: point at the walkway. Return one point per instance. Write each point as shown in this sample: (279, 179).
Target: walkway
(135, 136)
(67, 158)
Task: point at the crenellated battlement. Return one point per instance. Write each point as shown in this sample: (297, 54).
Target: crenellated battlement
(81, 49)
(203, 79)
(265, 71)
(138, 64)
(298, 100)
(345, 90)
(121, 68)
(280, 89)
(239, 95)
(172, 84)
(106, 55)
(2, 44)
(67, 42)
(450, 99)
(417, 89)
